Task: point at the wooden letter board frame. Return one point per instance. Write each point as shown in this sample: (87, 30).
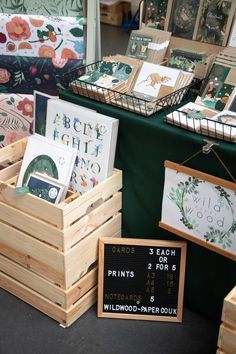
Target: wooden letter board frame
(136, 253)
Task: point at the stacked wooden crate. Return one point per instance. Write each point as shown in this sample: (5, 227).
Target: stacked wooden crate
(227, 333)
(48, 252)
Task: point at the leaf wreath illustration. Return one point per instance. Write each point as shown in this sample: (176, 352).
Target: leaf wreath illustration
(223, 237)
(213, 235)
(177, 195)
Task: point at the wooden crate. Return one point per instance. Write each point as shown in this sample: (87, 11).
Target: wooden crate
(229, 309)
(48, 252)
(227, 333)
(227, 339)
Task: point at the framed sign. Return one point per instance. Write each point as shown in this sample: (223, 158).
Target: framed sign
(141, 279)
(200, 208)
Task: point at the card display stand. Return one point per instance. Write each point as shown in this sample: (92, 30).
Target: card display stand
(227, 333)
(120, 99)
(48, 252)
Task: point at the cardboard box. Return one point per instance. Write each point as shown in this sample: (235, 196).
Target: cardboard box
(115, 12)
(49, 252)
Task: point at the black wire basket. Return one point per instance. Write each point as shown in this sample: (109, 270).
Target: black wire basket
(124, 100)
(204, 125)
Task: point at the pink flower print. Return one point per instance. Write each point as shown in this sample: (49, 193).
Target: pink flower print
(4, 76)
(14, 136)
(18, 29)
(26, 106)
(59, 62)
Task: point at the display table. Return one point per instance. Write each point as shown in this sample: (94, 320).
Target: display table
(143, 145)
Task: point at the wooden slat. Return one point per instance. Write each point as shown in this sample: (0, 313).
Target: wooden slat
(32, 253)
(91, 221)
(65, 298)
(78, 207)
(65, 317)
(227, 339)
(32, 225)
(14, 151)
(80, 257)
(32, 205)
(10, 171)
(202, 175)
(229, 309)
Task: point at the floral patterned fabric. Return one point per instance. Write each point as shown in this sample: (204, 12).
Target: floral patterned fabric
(26, 74)
(16, 117)
(43, 7)
(42, 36)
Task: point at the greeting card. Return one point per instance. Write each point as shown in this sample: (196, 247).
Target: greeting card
(93, 135)
(152, 77)
(46, 188)
(47, 157)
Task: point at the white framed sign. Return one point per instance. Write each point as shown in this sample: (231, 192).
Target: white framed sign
(200, 207)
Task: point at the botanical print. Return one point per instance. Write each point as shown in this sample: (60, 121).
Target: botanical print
(42, 36)
(183, 18)
(185, 60)
(108, 74)
(213, 21)
(26, 74)
(16, 117)
(154, 14)
(120, 70)
(200, 208)
(43, 7)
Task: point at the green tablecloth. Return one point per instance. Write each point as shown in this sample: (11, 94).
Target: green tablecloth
(143, 145)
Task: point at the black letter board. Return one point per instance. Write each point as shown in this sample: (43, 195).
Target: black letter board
(141, 279)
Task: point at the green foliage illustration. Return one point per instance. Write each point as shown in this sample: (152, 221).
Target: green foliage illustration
(213, 235)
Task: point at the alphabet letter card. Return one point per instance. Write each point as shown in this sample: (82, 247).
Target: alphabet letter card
(93, 135)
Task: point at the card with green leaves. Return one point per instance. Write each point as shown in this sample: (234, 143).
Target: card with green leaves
(47, 157)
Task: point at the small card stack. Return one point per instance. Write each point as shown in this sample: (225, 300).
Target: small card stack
(189, 116)
(156, 81)
(114, 73)
(51, 159)
(221, 82)
(221, 126)
(188, 60)
(153, 83)
(148, 44)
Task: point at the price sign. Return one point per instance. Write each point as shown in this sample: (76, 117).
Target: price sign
(141, 279)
